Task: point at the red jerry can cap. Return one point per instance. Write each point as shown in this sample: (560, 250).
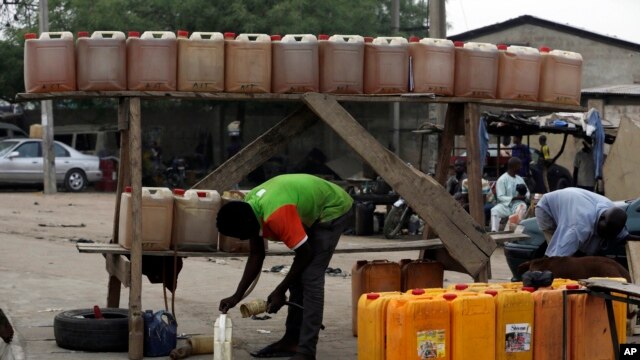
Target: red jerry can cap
(368, 39)
(323, 37)
(462, 286)
(202, 194)
(179, 192)
(183, 33)
(417, 292)
(449, 297)
(372, 296)
(544, 49)
(29, 36)
(414, 39)
(276, 37)
(134, 34)
(573, 287)
(230, 35)
(83, 34)
(127, 189)
(529, 289)
(502, 47)
(491, 292)
(458, 43)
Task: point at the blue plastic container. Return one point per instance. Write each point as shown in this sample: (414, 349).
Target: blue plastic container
(160, 333)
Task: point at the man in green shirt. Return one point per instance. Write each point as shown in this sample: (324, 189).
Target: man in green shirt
(308, 215)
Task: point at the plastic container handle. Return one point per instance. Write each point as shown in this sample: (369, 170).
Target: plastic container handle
(222, 327)
(57, 35)
(254, 37)
(158, 35)
(301, 37)
(116, 35)
(162, 313)
(348, 38)
(212, 36)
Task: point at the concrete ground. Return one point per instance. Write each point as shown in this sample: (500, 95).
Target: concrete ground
(42, 273)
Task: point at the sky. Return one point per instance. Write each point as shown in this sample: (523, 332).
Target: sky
(618, 18)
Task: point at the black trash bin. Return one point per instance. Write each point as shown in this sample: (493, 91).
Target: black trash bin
(518, 252)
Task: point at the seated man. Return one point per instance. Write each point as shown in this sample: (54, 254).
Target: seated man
(578, 222)
(487, 194)
(511, 192)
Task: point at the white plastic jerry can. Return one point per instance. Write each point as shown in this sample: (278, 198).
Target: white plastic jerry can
(222, 348)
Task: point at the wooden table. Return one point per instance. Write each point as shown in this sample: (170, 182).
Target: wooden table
(464, 238)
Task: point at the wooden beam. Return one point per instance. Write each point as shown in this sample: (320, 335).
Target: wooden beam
(407, 98)
(260, 150)
(136, 324)
(633, 259)
(474, 172)
(123, 175)
(447, 141)
(466, 241)
(119, 267)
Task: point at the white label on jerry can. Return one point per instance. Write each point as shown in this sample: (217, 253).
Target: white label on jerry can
(518, 337)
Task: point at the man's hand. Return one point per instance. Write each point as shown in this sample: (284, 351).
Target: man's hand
(276, 301)
(229, 303)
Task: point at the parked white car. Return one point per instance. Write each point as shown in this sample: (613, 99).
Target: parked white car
(21, 163)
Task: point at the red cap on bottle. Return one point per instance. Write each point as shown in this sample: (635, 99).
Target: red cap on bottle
(413, 39)
(417, 292)
(127, 189)
(179, 192)
(372, 296)
(449, 297)
(544, 49)
(368, 39)
(458, 43)
(202, 194)
(323, 37)
(276, 37)
(134, 34)
(183, 33)
(462, 286)
(29, 36)
(573, 287)
(83, 34)
(502, 47)
(529, 289)
(229, 35)
(491, 292)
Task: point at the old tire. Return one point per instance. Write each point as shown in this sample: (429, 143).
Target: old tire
(75, 180)
(79, 330)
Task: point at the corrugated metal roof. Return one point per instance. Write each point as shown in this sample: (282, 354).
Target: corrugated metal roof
(627, 90)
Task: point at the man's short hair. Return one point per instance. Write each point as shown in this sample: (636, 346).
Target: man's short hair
(238, 220)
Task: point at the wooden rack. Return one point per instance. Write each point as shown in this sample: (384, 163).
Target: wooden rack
(465, 242)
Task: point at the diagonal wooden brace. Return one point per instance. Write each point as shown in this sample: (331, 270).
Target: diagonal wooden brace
(466, 241)
(260, 150)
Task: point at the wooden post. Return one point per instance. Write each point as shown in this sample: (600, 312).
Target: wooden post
(260, 150)
(136, 325)
(474, 173)
(123, 176)
(466, 241)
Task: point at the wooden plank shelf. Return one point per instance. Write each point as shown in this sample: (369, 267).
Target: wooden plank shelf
(367, 245)
(408, 98)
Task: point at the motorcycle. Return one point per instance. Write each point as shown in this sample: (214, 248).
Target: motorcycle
(175, 175)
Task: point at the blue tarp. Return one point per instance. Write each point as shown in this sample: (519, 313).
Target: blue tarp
(598, 141)
(483, 136)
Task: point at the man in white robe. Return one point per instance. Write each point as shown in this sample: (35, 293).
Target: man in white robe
(509, 200)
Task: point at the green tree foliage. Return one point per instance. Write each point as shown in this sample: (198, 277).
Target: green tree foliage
(365, 17)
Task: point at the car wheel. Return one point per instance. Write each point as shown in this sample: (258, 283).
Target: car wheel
(79, 330)
(75, 180)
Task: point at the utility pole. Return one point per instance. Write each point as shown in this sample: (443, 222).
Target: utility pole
(438, 30)
(46, 111)
(395, 107)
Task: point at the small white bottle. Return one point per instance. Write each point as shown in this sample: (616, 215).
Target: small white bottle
(222, 347)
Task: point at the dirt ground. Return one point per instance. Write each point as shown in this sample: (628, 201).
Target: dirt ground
(42, 273)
